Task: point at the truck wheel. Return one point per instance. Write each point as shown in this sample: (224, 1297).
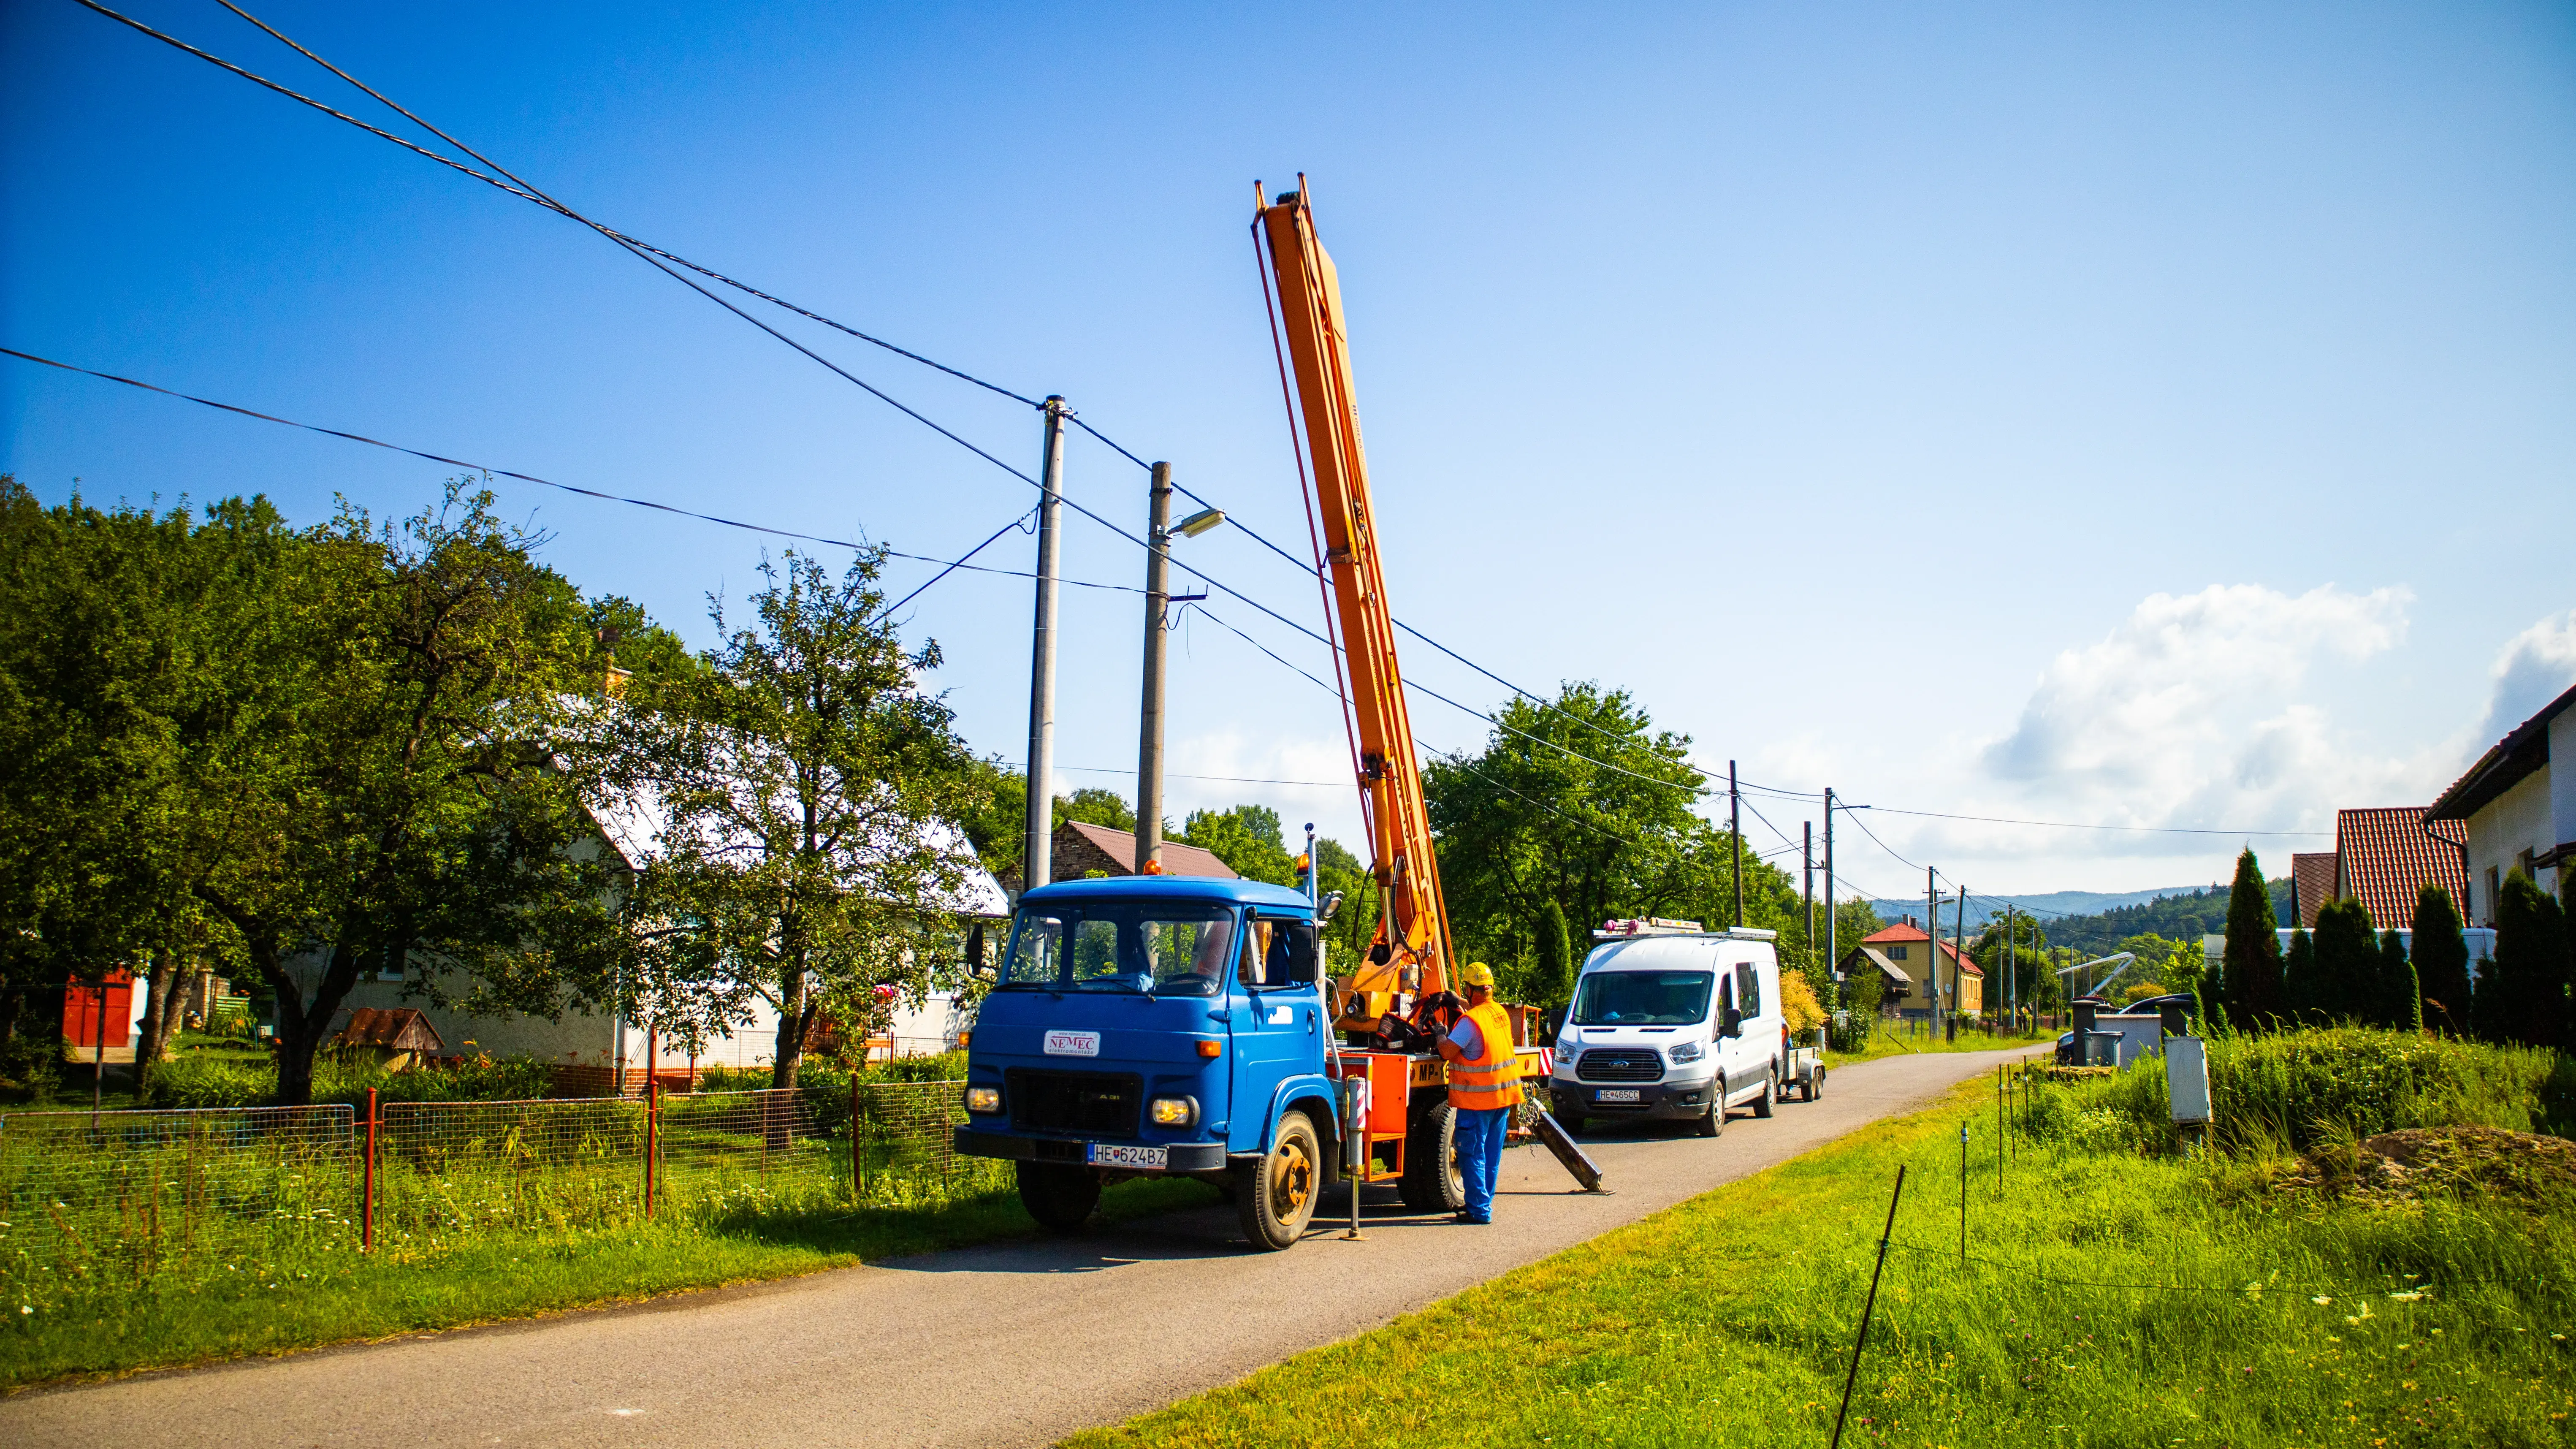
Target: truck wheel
(1770, 1097)
(1275, 1197)
(1058, 1196)
(1432, 1182)
(1816, 1083)
(1715, 1121)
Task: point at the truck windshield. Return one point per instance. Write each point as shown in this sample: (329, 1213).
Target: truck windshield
(1176, 948)
(1642, 998)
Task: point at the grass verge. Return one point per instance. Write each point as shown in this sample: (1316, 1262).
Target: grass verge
(2107, 1298)
(282, 1298)
(1886, 1043)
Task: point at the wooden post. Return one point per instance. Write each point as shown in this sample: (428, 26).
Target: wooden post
(854, 1137)
(367, 1207)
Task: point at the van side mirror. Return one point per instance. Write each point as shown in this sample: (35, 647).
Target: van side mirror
(1733, 1025)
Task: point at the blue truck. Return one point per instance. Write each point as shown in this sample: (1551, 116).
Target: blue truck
(1180, 1026)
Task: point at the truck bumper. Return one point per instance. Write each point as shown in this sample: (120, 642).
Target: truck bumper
(1661, 1100)
(1183, 1156)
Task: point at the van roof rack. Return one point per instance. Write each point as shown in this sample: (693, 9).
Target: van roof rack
(1621, 928)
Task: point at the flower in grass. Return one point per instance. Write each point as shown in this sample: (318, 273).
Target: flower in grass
(2321, 1300)
(2407, 1297)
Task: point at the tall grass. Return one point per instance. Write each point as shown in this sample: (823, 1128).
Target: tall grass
(216, 1081)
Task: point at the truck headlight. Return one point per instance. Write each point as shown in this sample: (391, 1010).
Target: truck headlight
(1175, 1111)
(1688, 1051)
(983, 1099)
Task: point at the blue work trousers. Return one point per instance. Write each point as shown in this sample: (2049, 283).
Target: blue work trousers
(1479, 1137)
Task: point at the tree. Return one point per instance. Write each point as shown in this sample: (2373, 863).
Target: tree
(1094, 806)
(2347, 964)
(2303, 993)
(1338, 871)
(2253, 958)
(807, 856)
(2441, 961)
(1246, 838)
(2523, 995)
(1552, 982)
(2400, 996)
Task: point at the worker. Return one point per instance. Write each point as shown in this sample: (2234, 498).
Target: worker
(1484, 1087)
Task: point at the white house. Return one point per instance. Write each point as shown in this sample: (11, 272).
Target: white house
(2520, 814)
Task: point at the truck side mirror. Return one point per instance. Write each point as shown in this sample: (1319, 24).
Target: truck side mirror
(1303, 960)
(1733, 1024)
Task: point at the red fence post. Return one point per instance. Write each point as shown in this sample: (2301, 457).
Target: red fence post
(854, 1136)
(367, 1212)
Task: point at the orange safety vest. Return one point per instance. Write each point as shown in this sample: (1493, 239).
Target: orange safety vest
(1493, 1080)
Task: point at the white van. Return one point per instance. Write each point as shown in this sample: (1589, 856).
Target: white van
(1674, 1023)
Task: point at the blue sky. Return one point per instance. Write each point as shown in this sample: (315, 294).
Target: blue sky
(2139, 415)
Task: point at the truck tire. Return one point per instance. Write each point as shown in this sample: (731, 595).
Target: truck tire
(1059, 1196)
(1432, 1182)
(1274, 1197)
(1816, 1082)
(1770, 1098)
(1715, 1122)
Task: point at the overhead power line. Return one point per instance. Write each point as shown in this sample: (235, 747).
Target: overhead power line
(948, 565)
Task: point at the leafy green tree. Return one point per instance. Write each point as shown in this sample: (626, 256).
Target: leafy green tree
(1552, 983)
(2253, 958)
(1094, 806)
(1247, 838)
(2522, 997)
(1347, 934)
(2441, 961)
(2303, 992)
(807, 857)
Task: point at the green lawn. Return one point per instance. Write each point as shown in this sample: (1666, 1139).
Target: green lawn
(282, 1296)
(1887, 1042)
(2108, 1299)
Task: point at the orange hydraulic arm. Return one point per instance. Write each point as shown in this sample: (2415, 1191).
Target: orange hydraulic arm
(1412, 951)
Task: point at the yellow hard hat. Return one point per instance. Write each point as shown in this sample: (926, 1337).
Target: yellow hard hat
(1478, 974)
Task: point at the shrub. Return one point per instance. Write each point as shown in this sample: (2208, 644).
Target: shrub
(213, 1081)
(2293, 1090)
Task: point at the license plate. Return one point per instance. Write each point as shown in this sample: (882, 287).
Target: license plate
(1111, 1154)
(1073, 1043)
(1615, 1094)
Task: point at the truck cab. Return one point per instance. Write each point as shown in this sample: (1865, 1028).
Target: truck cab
(1672, 1024)
(1158, 1026)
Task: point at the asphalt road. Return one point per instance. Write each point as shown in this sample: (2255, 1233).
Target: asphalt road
(1016, 1343)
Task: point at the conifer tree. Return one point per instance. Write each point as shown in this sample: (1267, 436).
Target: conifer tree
(2301, 992)
(2347, 964)
(2253, 957)
(2441, 962)
(1552, 985)
(2524, 995)
(2396, 1002)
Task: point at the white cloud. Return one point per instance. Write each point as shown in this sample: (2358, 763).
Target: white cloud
(2533, 669)
(2194, 712)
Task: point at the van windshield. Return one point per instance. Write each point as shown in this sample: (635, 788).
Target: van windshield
(1642, 998)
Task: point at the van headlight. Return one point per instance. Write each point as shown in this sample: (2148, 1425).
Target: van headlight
(1688, 1051)
(983, 1099)
(1175, 1111)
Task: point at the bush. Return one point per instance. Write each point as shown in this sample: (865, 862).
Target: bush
(2291, 1091)
(214, 1081)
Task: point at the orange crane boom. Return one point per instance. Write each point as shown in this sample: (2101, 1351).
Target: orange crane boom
(1412, 952)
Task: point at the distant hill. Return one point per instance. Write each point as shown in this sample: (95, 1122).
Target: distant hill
(2098, 921)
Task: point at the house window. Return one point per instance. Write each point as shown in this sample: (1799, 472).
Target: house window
(1895, 953)
(2495, 889)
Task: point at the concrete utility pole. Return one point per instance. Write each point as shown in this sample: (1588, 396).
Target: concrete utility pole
(1958, 943)
(1149, 735)
(1807, 854)
(2012, 968)
(1036, 860)
(1932, 947)
(1735, 828)
(1831, 959)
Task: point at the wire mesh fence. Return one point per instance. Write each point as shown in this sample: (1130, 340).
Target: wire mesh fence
(117, 1196)
(104, 1196)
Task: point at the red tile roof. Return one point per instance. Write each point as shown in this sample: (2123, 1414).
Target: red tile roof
(2312, 884)
(2387, 856)
(1120, 847)
(1898, 934)
(1960, 958)
(2523, 750)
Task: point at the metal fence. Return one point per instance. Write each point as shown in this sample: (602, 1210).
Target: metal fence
(118, 1196)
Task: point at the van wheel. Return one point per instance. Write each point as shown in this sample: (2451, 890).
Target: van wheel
(1770, 1097)
(1058, 1196)
(1274, 1198)
(1715, 1121)
(1432, 1182)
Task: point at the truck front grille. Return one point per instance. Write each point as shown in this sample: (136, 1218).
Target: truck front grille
(1638, 1065)
(1104, 1104)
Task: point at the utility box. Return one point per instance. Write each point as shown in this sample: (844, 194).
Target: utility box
(2187, 1079)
